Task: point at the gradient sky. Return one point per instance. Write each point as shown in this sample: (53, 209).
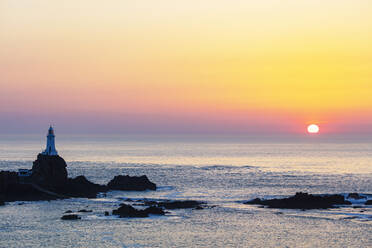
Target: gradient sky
(166, 66)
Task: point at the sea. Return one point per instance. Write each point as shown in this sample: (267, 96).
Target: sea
(223, 171)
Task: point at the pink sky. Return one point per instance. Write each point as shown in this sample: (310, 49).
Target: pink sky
(186, 67)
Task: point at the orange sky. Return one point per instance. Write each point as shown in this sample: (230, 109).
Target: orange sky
(190, 66)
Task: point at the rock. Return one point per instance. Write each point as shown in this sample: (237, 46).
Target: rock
(81, 187)
(369, 202)
(179, 204)
(85, 211)
(128, 211)
(303, 201)
(155, 210)
(256, 201)
(131, 183)
(107, 213)
(49, 171)
(355, 196)
(172, 204)
(68, 212)
(70, 217)
(7, 179)
(49, 181)
(12, 190)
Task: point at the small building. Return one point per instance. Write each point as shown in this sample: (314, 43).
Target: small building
(24, 176)
(24, 173)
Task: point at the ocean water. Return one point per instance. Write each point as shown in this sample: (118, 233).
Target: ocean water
(221, 171)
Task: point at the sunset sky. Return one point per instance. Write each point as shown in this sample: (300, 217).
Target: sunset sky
(168, 66)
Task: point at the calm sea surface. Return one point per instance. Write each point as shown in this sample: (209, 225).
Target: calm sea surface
(222, 172)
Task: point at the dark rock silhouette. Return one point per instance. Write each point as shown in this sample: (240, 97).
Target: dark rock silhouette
(7, 179)
(155, 210)
(131, 183)
(85, 211)
(70, 217)
(303, 201)
(155, 207)
(369, 202)
(81, 187)
(171, 204)
(355, 196)
(180, 204)
(127, 211)
(49, 181)
(11, 189)
(49, 171)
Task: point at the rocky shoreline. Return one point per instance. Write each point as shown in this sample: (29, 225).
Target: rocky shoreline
(50, 181)
(307, 201)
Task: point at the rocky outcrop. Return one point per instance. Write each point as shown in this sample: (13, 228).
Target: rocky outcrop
(127, 211)
(12, 190)
(85, 211)
(49, 181)
(155, 207)
(180, 204)
(81, 187)
(49, 171)
(303, 201)
(355, 196)
(7, 179)
(70, 217)
(155, 210)
(131, 183)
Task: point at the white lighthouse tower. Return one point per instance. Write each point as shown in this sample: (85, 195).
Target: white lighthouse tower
(50, 146)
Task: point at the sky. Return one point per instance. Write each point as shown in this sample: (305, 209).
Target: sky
(166, 66)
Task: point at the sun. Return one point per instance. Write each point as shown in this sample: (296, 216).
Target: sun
(313, 128)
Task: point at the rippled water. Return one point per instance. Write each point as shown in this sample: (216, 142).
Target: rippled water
(223, 173)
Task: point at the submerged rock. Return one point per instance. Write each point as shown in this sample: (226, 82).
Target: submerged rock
(85, 211)
(180, 204)
(303, 201)
(131, 183)
(355, 196)
(70, 217)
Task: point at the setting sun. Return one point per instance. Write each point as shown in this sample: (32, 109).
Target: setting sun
(313, 128)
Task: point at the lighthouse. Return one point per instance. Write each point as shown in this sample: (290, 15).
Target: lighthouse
(50, 146)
